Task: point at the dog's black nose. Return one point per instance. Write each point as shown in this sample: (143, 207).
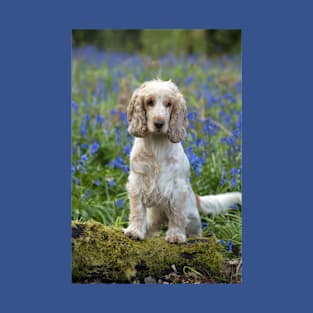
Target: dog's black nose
(158, 124)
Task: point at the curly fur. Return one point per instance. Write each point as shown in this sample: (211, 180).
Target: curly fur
(158, 185)
(137, 115)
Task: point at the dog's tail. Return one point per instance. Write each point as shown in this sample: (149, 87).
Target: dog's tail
(215, 204)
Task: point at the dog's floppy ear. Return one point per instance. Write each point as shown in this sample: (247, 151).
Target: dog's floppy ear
(178, 120)
(137, 115)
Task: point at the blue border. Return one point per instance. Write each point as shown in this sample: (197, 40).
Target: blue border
(35, 156)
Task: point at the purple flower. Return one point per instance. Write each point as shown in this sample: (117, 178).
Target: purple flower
(84, 146)
(127, 149)
(235, 171)
(230, 140)
(229, 246)
(194, 160)
(119, 163)
(113, 112)
(236, 133)
(99, 119)
(111, 182)
(233, 182)
(83, 128)
(119, 203)
(74, 106)
(123, 117)
(94, 148)
(200, 142)
(84, 157)
(191, 116)
(97, 182)
(189, 80)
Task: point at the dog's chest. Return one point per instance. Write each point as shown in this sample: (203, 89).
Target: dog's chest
(158, 179)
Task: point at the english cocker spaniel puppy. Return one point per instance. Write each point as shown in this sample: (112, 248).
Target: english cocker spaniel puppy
(158, 186)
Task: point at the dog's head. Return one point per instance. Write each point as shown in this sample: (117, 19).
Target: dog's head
(157, 107)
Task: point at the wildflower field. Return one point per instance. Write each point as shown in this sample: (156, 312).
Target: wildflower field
(102, 83)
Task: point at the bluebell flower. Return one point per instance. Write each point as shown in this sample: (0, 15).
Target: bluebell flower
(84, 157)
(235, 171)
(230, 140)
(230, 246)
(97, 182)
(227, 119)
(77, 181)
(194, 160)
(113, 112)
(197, 167)
(236, 133)
(119, 163)
(201, 159)
(206, 128)
(119, 203)
(74, 106)
(209, 128)
(189, 80)
(83, 128)
(222, 241)
(192, 115)
(84, 146)
(94, 148)
(73, 168)
(233, 182)
(111, 182)
(127, 149)
(200, 142)
(229, 97)
(87, 117)
(123, 117)
(99, 119)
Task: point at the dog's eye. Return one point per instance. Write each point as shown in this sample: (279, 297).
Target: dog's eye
(168, 104)
(150, 103)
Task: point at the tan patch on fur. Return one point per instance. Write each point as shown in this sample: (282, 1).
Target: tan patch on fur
(198, 201)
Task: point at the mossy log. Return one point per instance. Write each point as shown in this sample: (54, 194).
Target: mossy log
(104, 254)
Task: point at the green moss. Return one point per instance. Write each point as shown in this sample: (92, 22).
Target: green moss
(105, 254)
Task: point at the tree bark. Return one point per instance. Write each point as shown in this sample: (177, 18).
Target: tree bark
(104, 254)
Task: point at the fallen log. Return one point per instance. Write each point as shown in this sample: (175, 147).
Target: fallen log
(104, 254)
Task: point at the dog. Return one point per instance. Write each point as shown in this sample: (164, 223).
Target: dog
(158, 186)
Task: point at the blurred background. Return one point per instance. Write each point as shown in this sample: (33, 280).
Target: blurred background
(160, 42)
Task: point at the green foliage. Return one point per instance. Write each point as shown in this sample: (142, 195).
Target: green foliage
(157, 42)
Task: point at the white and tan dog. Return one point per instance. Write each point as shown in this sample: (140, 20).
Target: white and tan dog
(158, 186)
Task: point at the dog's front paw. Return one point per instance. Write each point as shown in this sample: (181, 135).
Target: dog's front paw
(175, 237)
(134, 233)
